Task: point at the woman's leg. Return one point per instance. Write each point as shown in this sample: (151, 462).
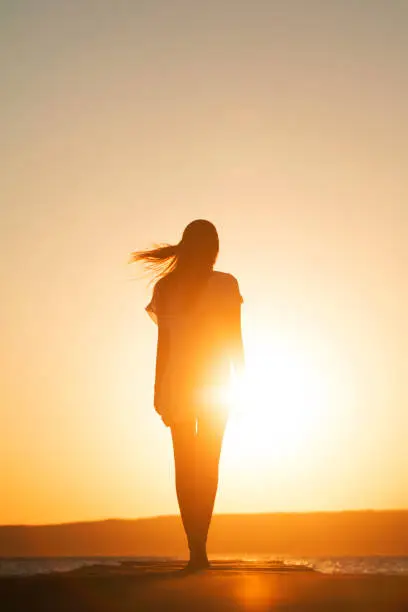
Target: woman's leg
(185, 450)
(210, 434)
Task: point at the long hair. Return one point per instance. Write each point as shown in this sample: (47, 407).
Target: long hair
(195, 254)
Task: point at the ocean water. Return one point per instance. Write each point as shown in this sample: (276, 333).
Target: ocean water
(385, 565)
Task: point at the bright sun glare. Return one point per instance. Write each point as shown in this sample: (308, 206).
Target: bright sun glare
(281, 404)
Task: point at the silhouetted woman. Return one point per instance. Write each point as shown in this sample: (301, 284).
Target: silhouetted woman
(198, 312)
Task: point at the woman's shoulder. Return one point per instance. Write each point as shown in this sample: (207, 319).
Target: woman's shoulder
(227, 285)
(224, 278)
(165, 282)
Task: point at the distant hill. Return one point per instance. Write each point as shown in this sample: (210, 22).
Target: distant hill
(317, 533)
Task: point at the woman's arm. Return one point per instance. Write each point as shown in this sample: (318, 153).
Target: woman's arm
(161, 359)
(236, 342)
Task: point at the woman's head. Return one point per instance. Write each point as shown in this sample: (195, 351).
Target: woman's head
(198, 247)
(196, 252)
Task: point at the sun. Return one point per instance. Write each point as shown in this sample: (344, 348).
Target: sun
(280, 406)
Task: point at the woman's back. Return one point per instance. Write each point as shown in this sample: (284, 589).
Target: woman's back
(196, 339)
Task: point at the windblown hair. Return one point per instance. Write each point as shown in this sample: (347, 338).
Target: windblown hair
(160, 260)
(195, 253)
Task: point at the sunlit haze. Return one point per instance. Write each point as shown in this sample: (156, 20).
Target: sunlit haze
(286, 125)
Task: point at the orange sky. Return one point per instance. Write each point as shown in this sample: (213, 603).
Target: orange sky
(286, 127)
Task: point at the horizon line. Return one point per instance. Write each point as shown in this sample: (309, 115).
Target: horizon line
(161, 516)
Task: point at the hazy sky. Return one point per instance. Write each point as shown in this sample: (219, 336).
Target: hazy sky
(283, 122)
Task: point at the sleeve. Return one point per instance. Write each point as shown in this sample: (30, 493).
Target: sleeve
(151, 308)
(236, 292)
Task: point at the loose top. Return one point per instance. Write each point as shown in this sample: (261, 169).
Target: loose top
(196, 343)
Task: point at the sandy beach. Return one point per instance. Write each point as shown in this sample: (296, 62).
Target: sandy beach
(227, 586)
